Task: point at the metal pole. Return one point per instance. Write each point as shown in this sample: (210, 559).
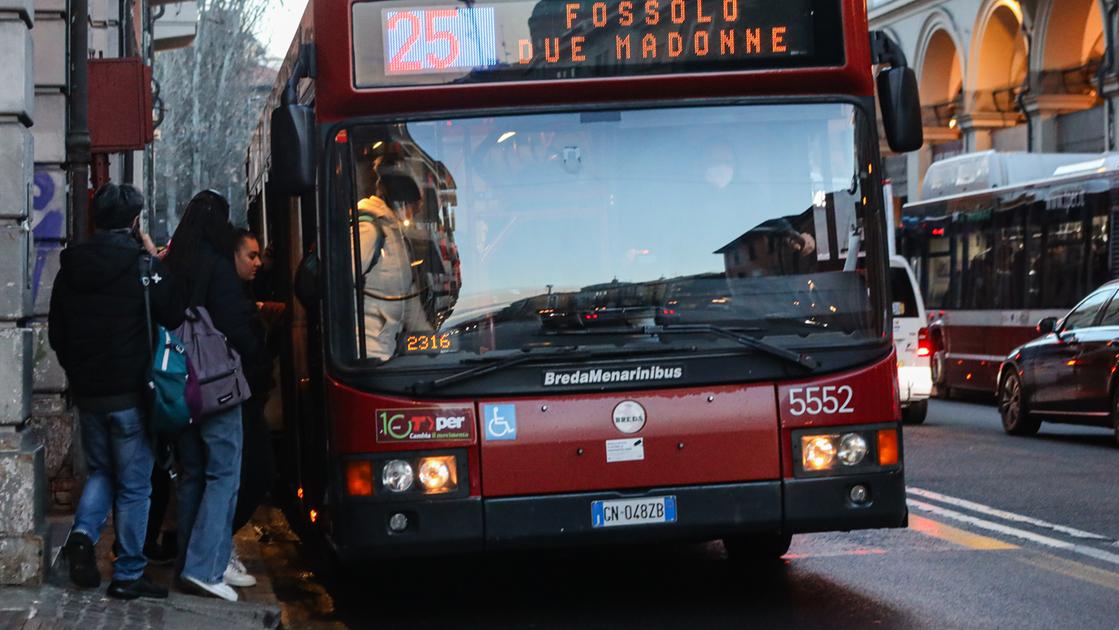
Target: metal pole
(77, 127)
(148, 52)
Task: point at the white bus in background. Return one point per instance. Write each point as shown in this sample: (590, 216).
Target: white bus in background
(1000, 241)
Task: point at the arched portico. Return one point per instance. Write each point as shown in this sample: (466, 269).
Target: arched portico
(939, 63)
(997, 71)
(941, 81)
(1065, 103)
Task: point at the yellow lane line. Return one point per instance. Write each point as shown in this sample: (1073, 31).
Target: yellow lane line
(1073, 569)
(835, 554)
(939, 530)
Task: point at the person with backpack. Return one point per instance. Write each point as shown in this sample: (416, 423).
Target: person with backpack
(392, 294)
(98, 328)
(209, 450)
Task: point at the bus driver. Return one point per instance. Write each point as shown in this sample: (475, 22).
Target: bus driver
(391, 289)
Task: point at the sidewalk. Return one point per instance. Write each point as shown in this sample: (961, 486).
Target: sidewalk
(58, 604)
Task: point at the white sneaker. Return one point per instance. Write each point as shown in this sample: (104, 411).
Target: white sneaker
(235, 561)
(236, 575)
(221, 590)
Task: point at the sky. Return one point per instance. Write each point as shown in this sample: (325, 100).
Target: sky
(279, 24)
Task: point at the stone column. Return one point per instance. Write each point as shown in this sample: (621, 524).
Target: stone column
(22, 485)
(1111, 95)
(49, 415)
(1043, 111)
(976, 128)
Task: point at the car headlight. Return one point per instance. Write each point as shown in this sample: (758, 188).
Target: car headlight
(397, 475)
(852, 449)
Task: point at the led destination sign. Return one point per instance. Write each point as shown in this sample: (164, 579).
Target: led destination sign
(416, 42)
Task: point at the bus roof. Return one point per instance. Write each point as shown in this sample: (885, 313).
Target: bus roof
(1069, 177)
(985, 170)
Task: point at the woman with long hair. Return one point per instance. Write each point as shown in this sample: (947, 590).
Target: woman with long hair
(201, 256)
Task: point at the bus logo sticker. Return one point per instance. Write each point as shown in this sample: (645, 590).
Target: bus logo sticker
(629, 416)
(625, 450)
(601, 376)
(425, 424)
(501, 422)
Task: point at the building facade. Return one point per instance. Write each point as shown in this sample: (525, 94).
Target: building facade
(46, 172)
(1009, 75)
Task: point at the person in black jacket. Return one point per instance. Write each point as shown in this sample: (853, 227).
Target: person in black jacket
(98, 328)
(257, 468)
(201, 257)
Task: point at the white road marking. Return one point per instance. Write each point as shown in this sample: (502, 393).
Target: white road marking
(1003, 514)
(1014, 532)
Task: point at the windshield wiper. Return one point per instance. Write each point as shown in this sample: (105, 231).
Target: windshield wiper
(734, 334)
(489, 365)
(534, 352)
(799, 358)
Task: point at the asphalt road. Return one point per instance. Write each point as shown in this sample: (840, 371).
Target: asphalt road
(1004, 533)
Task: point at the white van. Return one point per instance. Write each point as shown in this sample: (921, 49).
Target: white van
(912, 342)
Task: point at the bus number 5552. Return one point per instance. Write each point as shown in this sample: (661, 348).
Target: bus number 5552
(829, 399)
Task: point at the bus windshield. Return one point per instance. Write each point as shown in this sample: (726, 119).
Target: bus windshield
(605, 230)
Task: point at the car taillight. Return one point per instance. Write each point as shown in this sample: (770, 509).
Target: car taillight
(924, 344)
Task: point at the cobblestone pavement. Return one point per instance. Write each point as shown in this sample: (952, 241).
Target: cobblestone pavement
(59, 605)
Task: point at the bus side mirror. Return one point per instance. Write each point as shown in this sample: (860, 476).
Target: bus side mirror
(1047, 325)
(901, 109)
(293, 149)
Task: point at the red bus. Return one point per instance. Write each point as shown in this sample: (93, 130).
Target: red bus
(1000, 242)
(571, 273)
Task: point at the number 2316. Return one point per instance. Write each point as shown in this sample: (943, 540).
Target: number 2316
(828, 399)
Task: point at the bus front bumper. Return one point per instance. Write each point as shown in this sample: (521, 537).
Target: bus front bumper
(473, 524)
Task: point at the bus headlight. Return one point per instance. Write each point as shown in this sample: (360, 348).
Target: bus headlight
(852, 449)
(397, 475)
(438, 474)
(817, 452)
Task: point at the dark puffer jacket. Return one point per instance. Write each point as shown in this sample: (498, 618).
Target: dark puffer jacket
(97, 320)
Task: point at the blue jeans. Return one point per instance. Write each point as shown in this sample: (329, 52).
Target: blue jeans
(210, 454)
(120, 460)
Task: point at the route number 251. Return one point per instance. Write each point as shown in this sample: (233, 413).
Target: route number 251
(828, 399)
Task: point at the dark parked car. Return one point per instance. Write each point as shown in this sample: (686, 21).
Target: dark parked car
(1068, 374)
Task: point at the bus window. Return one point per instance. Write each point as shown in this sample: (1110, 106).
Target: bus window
(901, 292)
(1010, 260)
(486, 234)
(1100, 256)
(1063, 259)
(939, 270)
(978, 256)
(406, 261)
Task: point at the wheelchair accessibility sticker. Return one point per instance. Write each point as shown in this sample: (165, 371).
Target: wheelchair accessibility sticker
(501, 422)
